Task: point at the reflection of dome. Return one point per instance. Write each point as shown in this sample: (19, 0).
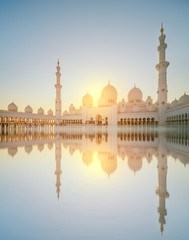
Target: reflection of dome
(50, 112)
(184, 99)
(174, 155)
(134, 163)
(135, 94)
(71, 150)
(108, 162)
(12, 151)
(87, 157)
(174, 103)
(40, 147)
(50, 145)
(28, 109)
(65, 145)
(28, 149)
(184, 159)
(87, 100)
(40, 111)
(12, 107)
(109, 92)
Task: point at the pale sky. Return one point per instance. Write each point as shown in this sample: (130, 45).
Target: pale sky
(96, 41)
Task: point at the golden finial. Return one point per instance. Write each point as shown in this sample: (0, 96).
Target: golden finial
(162, 29)
(58, 62)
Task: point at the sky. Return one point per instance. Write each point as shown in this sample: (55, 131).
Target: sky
(95, 41)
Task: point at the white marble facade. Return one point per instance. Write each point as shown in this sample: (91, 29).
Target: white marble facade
(136, 111)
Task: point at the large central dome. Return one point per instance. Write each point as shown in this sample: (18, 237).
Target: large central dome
(135, 94)
(109, 92)
(87, 100)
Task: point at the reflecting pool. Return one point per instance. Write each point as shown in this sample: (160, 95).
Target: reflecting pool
(94, 183)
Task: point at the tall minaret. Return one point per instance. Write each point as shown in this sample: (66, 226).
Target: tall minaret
(58, 165)
(58, 101)
(162, 79)
(162, 180)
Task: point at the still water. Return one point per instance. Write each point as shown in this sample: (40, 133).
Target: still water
(94, 183)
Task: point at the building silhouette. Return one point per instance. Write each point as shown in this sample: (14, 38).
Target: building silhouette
(136, 111)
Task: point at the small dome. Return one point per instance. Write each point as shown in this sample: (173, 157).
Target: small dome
(12, 151)
(108, 162)
(183, 158)
(87, 157)
(109, 92)
(40, 147)
(50, 112)
(12, 107)
(184, 99)
(174, 103)
(149, 99)
(28, 109)
(50, 145)
(134, 163)
(40, 111)
(28, 148)
(65, 113)
(135, 94)
(87, 100)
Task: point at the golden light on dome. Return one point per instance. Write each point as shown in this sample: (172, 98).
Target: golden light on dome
(94, 169)
(94, 91)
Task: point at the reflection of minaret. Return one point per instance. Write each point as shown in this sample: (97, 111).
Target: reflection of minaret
(58, 103)
(162, 180)
(58, 166)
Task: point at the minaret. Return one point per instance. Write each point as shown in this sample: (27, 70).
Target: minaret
(162, 79)
(162, 180)
(58, 101)
(58, 166)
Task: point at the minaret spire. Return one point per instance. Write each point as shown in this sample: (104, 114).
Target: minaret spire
(58, 101)
(161, 67)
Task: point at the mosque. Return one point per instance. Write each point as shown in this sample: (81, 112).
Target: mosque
(136, 111)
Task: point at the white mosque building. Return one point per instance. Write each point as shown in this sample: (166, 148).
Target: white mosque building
(136, 111)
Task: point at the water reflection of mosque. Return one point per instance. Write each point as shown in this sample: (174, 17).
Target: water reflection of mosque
(135, 144)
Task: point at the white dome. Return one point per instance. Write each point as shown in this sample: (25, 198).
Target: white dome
(28, 109)
(40, 111)
(184, 99)
(12, 107)
(109, 92)
(87, 100)
(135, 94)
(174, 103)
(65, 113)
(50, 112)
